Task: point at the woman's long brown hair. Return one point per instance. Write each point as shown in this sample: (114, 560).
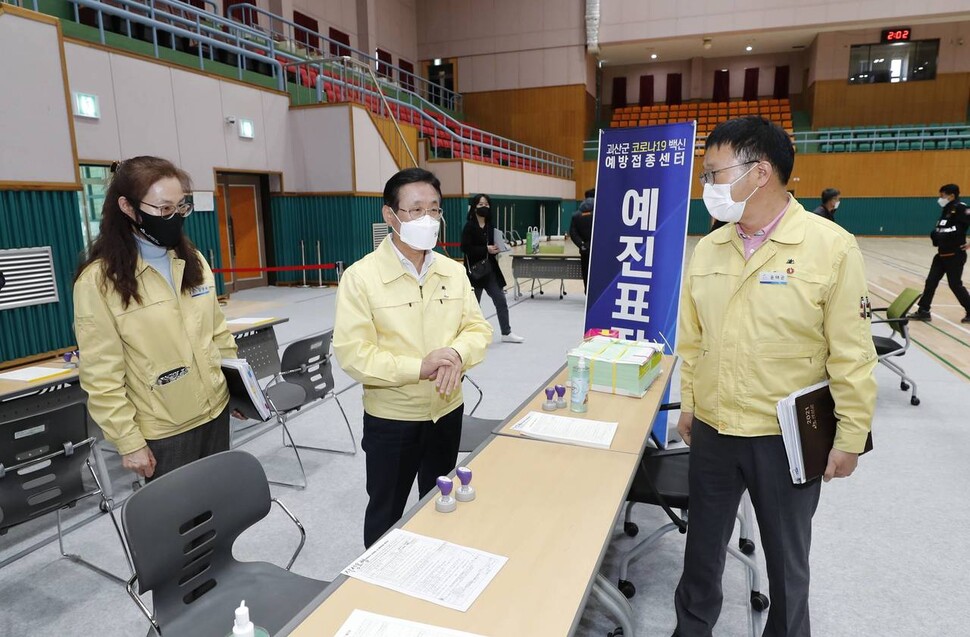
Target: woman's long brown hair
(115, 247)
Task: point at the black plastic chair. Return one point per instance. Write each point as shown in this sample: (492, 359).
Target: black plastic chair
(42, 461)
(181, 529)
(662, 480)
(887, 348)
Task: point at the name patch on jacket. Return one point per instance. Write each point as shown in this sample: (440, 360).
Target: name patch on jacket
(773, 278)
(201, 290)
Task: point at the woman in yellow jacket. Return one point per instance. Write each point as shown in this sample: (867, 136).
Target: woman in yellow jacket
(149, 327)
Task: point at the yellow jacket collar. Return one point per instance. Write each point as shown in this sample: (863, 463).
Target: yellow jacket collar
(790, 230)
(390, 266)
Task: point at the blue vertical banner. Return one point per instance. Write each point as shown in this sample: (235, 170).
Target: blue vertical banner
(639, 233)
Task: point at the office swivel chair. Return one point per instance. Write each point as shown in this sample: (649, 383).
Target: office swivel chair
(181, 529)
(43, 457)
(662, 480)
(887, 347)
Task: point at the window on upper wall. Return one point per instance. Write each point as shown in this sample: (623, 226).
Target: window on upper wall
(339, 37)
(384, 63)
(893, 62)
(407, 74)
(306, 35)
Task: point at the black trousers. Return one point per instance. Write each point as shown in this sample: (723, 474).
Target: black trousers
(721, 468)
(497, 294)
(952, 267)
(181, 449)
(584, 267)
(396, 451)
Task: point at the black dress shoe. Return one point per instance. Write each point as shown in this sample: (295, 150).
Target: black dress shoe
(920, 315)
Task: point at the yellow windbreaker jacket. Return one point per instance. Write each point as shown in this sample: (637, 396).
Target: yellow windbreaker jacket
(151, 370)
(386, 323)
(752, 332)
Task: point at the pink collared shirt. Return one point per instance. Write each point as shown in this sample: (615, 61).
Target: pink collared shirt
(754, 241)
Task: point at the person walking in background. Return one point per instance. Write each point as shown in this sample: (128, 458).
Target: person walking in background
(581, 232)
(149, 326)
(479, 249)
(831, 198)
(950, 239)
(407, 326)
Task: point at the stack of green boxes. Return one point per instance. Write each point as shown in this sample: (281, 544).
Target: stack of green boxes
(617, 366)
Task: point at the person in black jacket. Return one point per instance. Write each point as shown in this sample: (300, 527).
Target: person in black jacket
(831, 198)
(581, 232)
(478, 246)
(950, 238)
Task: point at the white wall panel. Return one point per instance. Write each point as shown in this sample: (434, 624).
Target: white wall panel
(89, 71)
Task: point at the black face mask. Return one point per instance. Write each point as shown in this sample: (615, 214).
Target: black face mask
(165, 233)
(482, 212)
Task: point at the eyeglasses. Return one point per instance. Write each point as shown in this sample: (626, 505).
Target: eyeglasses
(708, 177)
(417, 213)
(167, 211)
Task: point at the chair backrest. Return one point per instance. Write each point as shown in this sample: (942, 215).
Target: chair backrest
(901, 306)
(181, 527)
(38, 488)
(262, 351)
(308, 363)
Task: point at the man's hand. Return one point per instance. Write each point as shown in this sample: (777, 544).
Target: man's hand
(965, 246)
(684, 426)
(436, 359)
(493, 249)
(238, 415)
(141, 462)
(841, 464)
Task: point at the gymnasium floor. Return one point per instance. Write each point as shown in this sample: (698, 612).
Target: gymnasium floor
(889, 550)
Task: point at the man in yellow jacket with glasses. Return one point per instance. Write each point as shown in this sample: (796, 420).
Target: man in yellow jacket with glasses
(407, 326)
(774, 301)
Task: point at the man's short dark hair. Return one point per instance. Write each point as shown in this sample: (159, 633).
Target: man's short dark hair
(754, 138)
(951, 189)
(590, 194)
(405, 177)
(829, 194)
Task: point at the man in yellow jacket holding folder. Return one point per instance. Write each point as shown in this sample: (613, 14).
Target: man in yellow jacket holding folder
(407, 326)
(774, 301)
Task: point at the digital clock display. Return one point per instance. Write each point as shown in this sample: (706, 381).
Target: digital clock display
(899, 34)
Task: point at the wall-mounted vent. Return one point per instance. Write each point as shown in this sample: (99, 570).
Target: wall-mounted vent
(378, 232)
(29, 276)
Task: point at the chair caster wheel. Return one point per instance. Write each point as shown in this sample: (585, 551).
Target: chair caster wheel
(746, 546)
(759, 601)
(617, 632)
(904, 386)
(631, 529)
(105, 505)
(914, 401)
(627, 588)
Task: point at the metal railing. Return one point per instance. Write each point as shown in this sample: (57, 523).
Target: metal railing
(204, 32)
(863, 140)
(297, 39)
(345, 75)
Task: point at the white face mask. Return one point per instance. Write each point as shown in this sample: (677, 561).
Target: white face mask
(942, 201)
(421, 234)
(835, 206)
(717, 198)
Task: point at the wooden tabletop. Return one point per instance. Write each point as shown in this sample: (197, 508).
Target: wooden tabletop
(550, 508)
(634, 415)
(65, 374)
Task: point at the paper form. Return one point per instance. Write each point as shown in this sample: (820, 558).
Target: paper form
(31, 374)
(440, 572)
(364, 624)
(248, 321)
(576, 431)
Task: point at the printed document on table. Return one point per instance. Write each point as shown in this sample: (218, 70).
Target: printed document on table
(31, 374)
(575, 431)
(427, 568)
(364, 624)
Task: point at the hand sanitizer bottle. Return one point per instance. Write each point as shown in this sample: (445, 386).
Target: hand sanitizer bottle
(243, 627)
(579, 397)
